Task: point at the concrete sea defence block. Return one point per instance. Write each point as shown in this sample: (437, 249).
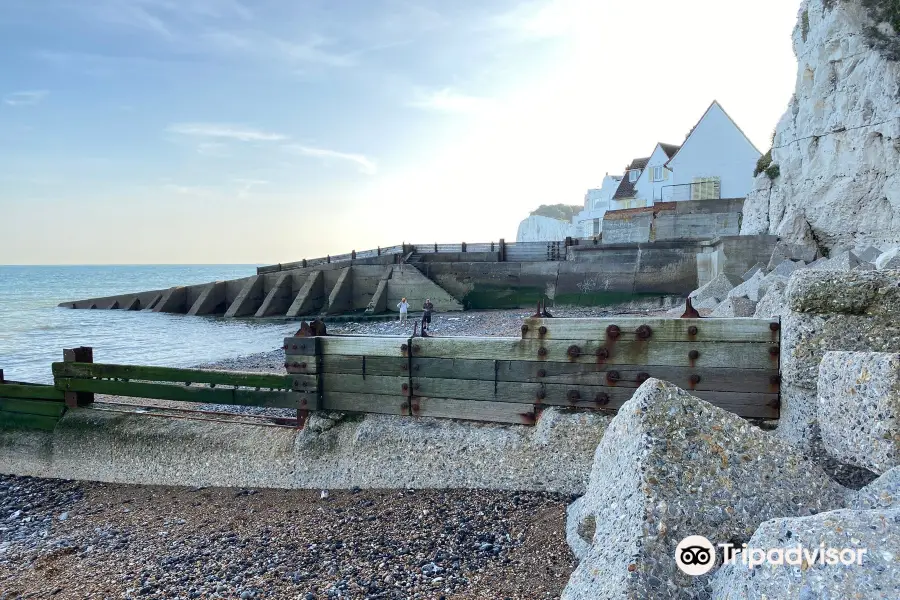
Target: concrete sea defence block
(717, 288)
(371, 451)
(669, 466)
(884, 492)
(874, 573)
(783, 251)
(785, 268)
(750, 288)
(859, 408)
(888, 260)
(754, 270)
(734, 307)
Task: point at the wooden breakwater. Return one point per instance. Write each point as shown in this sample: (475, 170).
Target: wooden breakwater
(578, 364)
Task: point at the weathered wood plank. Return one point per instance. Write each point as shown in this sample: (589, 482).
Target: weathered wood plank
(749, 380)
(494, 412)
(50, 408)
(191, 394)
(663, 330)
(738, 355)
(301, 363)
(384, 366)
(346, 382)
(142, 373)
(366, 403)
(14, 420)
(30, 391)
(349, 345)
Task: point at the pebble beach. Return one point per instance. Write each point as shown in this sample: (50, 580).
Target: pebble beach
(66, 539)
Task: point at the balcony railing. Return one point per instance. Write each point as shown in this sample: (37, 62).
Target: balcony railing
(708, 189)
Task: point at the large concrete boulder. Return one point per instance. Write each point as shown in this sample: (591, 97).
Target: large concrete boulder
(750, 288)
(772, 303)
(842, 261)
(783, 251)
(836, 145)
(718, 287)
(884, 492)
(830, 311)
(859, 408)
(671, 466)
(868, 254)
(871, 570)
(734, 307)
(888, 260)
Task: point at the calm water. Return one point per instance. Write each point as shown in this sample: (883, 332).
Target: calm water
(33, 331)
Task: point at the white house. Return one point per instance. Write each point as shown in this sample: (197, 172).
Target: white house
(715, 161)
(589, 222)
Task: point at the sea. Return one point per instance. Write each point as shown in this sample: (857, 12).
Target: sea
(34, 331)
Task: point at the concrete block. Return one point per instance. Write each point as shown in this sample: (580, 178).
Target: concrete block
(717, 288)
(783, 251)
(888, 260)
(859, 408)
(708, 304)
(749, 289)
(378, 304)
(869, 254)
(210, 301)
(843, 261)
(884, 492)
(734, 307)
(311, 296)
(248, 299)
(341, 297)
(753, 271)
(279, 298)
(174, 300)
(785, 268)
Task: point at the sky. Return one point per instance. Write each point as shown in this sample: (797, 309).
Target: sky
(265, 131)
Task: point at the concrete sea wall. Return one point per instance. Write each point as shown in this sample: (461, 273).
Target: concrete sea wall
(375, 451)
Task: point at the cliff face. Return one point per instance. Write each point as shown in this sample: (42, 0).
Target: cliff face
(838, 144)
(544, 229)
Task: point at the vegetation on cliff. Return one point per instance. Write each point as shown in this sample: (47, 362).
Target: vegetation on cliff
(561, 212)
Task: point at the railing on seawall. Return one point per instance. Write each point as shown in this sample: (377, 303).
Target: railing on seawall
(577, 364)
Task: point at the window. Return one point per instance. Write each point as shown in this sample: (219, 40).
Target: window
(705, 188)
(633, 175)
(658, 174)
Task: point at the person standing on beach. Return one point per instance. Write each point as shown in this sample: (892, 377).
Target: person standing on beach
(427, 308)
(404, 309)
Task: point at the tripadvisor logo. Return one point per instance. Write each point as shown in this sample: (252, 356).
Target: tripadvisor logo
(695, 555)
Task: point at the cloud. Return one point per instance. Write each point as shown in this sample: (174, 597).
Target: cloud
(247, 185)
(447, 100)
(226, 131)
(26, 98)
(195, 191)
(366, 165)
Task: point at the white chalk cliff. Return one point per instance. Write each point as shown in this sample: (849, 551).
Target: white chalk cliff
(544, 229)
(838, 144)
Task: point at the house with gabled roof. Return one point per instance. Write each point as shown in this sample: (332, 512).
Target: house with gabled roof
(716, 160)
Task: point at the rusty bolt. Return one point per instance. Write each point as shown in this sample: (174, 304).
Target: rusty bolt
(415, 407)
(285, 347)
(415, 386)
(302, 365)
(542, 330)
(403, 347)
(693, 354)
(416, 367)
(541, 394)
(296, 384)
(405, 367)
(542, 373)
(602, 353)
(573, 351)
(692, 330)
(524, 329)
(542, 351)
(286, 365)
(613, 376)
(642, 377)
(404, 387)
(602, 398)
(417, 348)
(644, 332)
(613, 331)
(774, 326)
(695, 379)
(775, 379)
(573, 395)
(295, 346)
(774, 350)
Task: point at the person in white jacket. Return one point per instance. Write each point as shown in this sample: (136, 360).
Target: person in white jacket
(404, 309)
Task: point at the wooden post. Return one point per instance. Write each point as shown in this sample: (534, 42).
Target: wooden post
(435, 247)
(502, 250)
(328, 258)
(1, 375)
(304, 263)
(379, 250)
(82, 354)
(353, 255)
(492, 246)
(463, 246)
